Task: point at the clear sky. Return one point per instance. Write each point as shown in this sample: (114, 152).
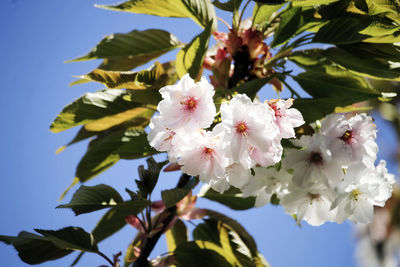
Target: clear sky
(36, 37)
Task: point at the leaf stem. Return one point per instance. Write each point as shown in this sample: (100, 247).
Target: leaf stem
(290, 89)
(224, 22)
(106, 258)
(241, 13)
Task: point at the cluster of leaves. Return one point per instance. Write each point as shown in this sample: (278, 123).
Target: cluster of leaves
(359, 39)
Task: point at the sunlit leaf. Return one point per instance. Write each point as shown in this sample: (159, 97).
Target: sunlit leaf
(202, 12)
(139, 80)
(288, 25)
(176, 235)
(190, 58)
(134, 48)
(100, 111)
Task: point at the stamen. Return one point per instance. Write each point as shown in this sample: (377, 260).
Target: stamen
(241, 128)
(190, 103)
(347, 136)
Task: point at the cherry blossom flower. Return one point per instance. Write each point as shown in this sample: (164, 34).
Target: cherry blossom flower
(361, 189)
(285, 117)
(311, 205)
(351, 140)
(204, 157)
(313, 165)
(188, 105)
(247, 126)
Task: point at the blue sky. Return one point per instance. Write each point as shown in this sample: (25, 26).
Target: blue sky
(36, 38)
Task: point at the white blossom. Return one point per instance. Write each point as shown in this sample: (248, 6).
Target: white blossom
(351, 140)
(286, 118)
(313, 165)
(311, 205)
(205, 157)
(247, 126)
(361, 189)
(187, 105)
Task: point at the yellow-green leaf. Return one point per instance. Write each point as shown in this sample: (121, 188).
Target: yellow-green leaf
(138, 47)
(190, 58)
(200, 11)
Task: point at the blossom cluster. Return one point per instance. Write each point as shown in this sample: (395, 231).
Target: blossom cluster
(329, 176)
(333, 174)
(221, 149)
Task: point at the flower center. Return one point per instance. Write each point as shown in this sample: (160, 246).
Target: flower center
(241, 128)
(313, 196)
(190, 103)
(346, 137)
(354, 194)
(208, 152)
(276, 110)
(316, 158)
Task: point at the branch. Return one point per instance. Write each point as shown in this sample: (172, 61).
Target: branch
(150, 242)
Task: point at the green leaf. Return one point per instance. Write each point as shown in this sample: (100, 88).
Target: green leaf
(308, 3)
(207, 231)
(252, 87)
(365, 64)
(139, 46)
(201, 12)
(34, 249)
(190, 254)
(262, 14)
(190, 58)
(288, 25)
(230, 5)
(172, 196)
(239, 229)
(231, 198)
(105, 151)
(350, 30)
(342, 85)
(114, 219)
(378, 51)
(223, 239)
(100, 111)
(148, 177)
(176, 235)
(139, 80)
(91, 198)
(74, 238)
